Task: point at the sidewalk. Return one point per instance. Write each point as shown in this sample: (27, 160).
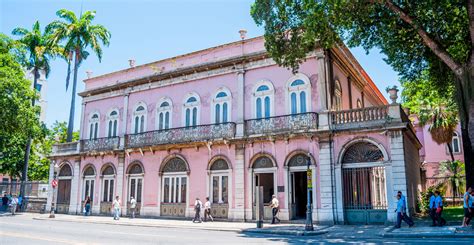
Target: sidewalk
(427, 231)
(278, 229)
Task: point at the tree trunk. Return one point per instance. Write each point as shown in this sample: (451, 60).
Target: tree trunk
(450, 149)
(24, 174)
(466, 113)
(70, 125)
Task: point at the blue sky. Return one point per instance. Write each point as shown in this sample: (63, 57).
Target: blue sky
(149, 31)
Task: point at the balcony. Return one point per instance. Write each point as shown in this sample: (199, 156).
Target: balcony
(100, 144)
(62, 149)
(200, 133)
(367, 117)
(303, 122)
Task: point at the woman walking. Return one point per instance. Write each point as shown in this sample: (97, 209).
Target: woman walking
(116, 207)
(87, 206)
(207, 210)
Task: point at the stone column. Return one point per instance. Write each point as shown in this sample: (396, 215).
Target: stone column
(120, 178)
(321, 85)
(240, 102)
(238, 212)
(124, 122)
(50, 188)
(75, 199)
(325, 212)
(398, 173)
(81, 123)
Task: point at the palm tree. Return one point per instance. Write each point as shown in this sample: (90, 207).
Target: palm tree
(455, 172)
(39, 50)
(78, 35)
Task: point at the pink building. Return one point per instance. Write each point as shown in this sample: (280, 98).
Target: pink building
(219, 122)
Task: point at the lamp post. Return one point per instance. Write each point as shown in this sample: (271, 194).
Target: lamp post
(54, 184)
(309, 215)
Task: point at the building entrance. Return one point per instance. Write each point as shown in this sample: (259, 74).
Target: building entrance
(299, 196)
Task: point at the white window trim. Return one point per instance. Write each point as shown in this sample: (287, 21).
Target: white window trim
(88, 178)
(177, 176)
(262, 94)
(298, 89)
(92, 121)
(220, 174)
(456, 135)
(191, 106)
(113, 118)
(108, 178)
(136, 177)
(135, 114)
(336, 95)
(164, 110)
(221, 102)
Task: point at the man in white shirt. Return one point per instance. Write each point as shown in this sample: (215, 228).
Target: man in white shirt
(197, 208)
(13, 204)
(274, 205)
(133, 206)
(116, 208)
(207, 210)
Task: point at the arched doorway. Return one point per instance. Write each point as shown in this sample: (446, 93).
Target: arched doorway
(64, 189)
(108, 187)
(174, 187)
(88, 184)
(135, 175)
(220, 178)
(298, 184)
(364, 189)
(263, 173)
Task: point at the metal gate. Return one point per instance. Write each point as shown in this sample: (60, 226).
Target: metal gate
(365, 199)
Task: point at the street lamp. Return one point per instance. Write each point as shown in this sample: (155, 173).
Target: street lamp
(54, 184)
(309, 215)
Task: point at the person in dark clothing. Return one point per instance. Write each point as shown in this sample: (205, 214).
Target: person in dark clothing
(4, 202)
(401, 212)
(87, 206)
(439, 209)
(432, 209)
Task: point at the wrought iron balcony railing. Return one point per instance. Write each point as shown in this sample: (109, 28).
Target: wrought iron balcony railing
(100, 144)
(282, 124)
(181, 135)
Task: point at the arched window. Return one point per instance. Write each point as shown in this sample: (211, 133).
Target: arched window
(135, 182)
(221, 106)
(359, 104)
(299, 89)
(94, 126)
(108, 184)
(164, 114)
(263, 99)
(338, 96)
(191, 110)
(219, 181)
(89, 181)
(456, 143)
(174, 185)
(139, 119)
(113, 124)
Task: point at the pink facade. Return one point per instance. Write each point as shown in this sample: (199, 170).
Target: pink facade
(218, 122)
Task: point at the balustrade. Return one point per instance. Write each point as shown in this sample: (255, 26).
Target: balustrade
(282, 124)
(182, 135)
(360, 115)
(100, 144)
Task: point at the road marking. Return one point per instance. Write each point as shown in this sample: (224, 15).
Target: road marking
(55, 240)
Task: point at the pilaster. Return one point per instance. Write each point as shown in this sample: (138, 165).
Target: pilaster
(321, 84)
(75, 204)
(240, 103)
(49, 198)
(326, 211)
(120, 179)
(398, 172)
(237, 212)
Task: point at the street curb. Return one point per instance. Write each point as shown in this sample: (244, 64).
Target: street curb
(143, 225)
(285, 232)
(454, 234)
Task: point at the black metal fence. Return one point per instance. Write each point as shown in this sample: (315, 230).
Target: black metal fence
(451, 196)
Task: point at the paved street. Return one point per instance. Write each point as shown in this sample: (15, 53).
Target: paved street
(22, 229)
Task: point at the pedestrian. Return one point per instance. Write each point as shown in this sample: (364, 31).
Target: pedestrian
(87, 206)
(471, 205)
(467, 207)
(401, 212)
(20, 203)
(432, 209)
(197, 209)
(207, 210)
(439, 209)
(116, 208)
(275, 208)
(13, 204)
(4, 202)
(133, 206)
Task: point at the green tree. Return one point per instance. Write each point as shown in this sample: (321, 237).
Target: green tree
(39, 50)
(18, 116)
(416, 36)
(78, 34)
(454, 171)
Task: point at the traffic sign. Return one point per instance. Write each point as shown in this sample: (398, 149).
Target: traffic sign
(54, 183)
